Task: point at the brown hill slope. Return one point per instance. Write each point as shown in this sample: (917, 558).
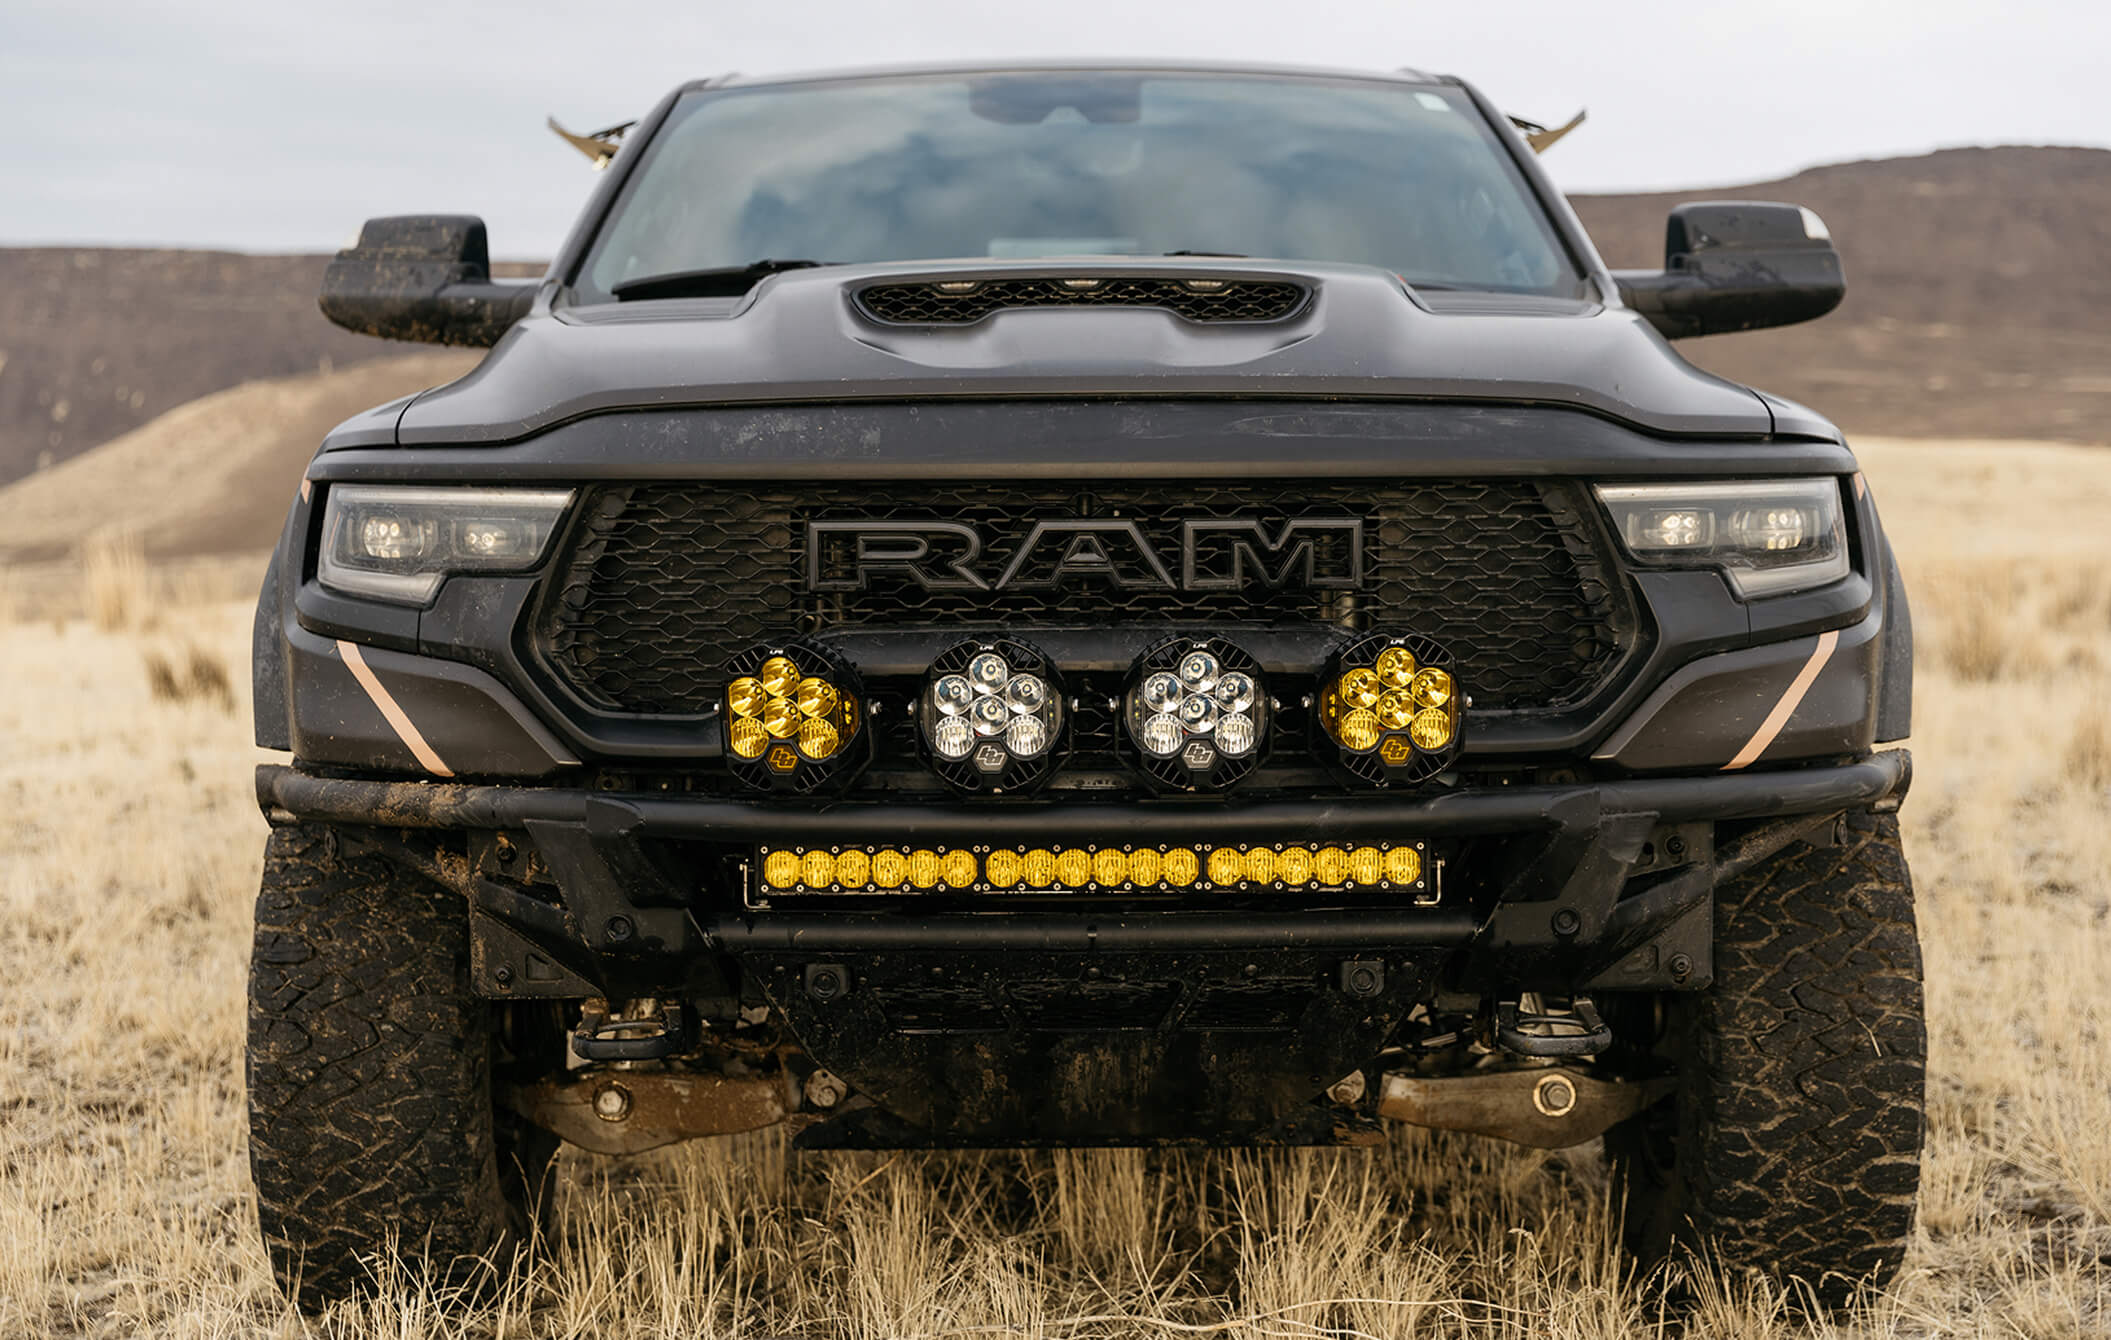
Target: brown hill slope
(212, 476)
(1977, 305)
(95, 341)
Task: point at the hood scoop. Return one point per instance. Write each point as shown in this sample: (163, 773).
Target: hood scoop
(960, 302)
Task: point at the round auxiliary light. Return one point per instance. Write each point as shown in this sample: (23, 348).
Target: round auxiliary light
(1195, 717)
(991, 715)
(1389, 709)
(794, 719)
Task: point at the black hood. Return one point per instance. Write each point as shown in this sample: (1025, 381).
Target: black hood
(800, 337)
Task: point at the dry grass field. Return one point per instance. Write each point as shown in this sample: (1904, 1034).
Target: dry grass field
(129, 857)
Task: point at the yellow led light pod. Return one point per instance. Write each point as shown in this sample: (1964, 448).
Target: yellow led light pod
(749, 739)
(1366, 865)
(818, 739)
(1330, 865)
(818, 870)
(1403, 865)
(780, 869)
(1110, 867)
(806, 696)
(816, 697)
(1431, 730)
(745, 696)
(889, 869)
(1181, 867)
(1073, 868)
(780, 717)
(1385, 685)
(1227, 866)
(778, 676)
(1040, 867)
(957, 868)
(1395, 667)
(1359, 730)
(1003, 868)
(923, 868)
(853, 869)
(1260, 865)
(1146, 866)
(1293, 865)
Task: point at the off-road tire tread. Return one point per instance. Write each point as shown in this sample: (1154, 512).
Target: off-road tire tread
(369, 1068)
(1801, 1123)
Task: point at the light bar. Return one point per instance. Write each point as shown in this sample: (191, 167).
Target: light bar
(1386, 867)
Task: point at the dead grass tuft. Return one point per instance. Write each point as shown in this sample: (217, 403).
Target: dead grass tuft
(197, 675)
(2089, 752)
(114, 578)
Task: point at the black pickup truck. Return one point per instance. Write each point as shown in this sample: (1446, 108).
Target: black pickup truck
(1084, 605)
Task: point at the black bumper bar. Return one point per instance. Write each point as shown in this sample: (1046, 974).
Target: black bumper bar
(1758, 795)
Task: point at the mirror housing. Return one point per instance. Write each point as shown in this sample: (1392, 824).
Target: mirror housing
(423, 277)
(1737, 265)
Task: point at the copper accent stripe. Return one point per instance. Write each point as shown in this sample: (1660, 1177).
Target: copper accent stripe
(307, 488)
(1861, 486)
(1784, 709)
(391, 711)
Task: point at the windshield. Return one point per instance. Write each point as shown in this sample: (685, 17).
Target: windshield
(1402, 176)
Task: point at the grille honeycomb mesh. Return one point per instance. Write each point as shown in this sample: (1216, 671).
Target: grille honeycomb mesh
(925, 303)
(663, 583)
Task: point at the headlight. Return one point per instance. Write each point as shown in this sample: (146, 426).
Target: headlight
(1768, 537)
(396, 543)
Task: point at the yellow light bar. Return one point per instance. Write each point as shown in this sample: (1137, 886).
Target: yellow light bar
(1353, 866)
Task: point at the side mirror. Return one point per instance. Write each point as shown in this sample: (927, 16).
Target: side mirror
(1737, 265)
(423, 277)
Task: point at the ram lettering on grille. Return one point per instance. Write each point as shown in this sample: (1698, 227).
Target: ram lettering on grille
(663, 581)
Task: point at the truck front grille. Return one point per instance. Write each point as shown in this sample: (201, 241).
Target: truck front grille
(661, 584)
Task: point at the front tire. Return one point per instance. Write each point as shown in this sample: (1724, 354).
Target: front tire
(1792, 1145)
(370, 1064)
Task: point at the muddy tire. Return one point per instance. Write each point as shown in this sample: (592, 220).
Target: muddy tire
(1792, 1145)
(370, 1068)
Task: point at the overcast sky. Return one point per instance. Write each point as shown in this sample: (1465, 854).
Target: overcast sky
(277, 125)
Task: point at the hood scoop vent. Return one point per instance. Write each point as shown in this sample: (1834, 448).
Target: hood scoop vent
(959, 302)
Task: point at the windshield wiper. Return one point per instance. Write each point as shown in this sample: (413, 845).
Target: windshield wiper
(1226, 255)
(725, 281)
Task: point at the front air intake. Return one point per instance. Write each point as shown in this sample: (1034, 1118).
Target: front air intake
(958, 302)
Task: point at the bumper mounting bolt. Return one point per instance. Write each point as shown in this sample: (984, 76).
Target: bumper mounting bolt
(612, 1102)
(1566, 922)
(619, 929)
(1681, 967)
(503, 975)
(1363, 977)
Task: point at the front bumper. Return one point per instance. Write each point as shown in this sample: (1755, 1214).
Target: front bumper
(1106, 1024)
(1587, 841)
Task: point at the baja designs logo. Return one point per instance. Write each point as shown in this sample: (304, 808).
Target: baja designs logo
(1209, 554)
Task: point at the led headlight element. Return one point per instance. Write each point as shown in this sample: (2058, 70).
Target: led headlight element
(991, 715)
(1195, 714)
(398, 543)
(794, 719)
(1389, 708)
(1768, 537)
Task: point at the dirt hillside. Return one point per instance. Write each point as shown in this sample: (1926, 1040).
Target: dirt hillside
(213, 476)
(1977, 303)
(95, 341)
